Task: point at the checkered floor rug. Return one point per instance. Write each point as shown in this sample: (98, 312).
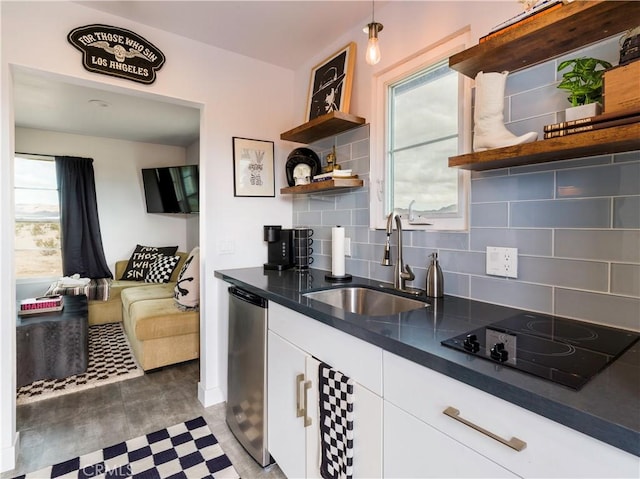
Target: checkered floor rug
(183, 451)
(110, 360)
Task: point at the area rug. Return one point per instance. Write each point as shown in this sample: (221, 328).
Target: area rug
(110, 360)
(184, 451)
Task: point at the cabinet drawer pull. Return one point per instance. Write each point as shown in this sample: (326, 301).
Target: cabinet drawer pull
(307, 419)
(513, 443)
(299, 409)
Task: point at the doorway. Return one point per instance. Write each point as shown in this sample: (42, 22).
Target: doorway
(46, 102)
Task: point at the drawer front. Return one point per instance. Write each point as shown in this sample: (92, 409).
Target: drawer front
(414, 449)
(357, 359)
(552, 450)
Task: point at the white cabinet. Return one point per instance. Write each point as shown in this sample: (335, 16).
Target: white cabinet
(552, 450)
(286, 378)
(413, 448)
(419, 439)
(296, 344)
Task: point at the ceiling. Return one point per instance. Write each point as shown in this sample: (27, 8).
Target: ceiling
(284, 33)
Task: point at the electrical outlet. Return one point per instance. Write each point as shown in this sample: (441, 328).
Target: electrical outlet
(502, 261)
(347, 246)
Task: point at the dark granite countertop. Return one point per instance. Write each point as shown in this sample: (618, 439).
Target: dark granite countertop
(606, 408)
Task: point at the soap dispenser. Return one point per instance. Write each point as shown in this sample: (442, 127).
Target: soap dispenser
(435, 282)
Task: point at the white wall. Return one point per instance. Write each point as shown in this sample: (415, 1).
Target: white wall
(117, 164)
(409, 27)
(237, 96)
(193, 221)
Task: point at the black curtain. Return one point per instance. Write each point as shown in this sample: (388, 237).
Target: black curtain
(80, 236)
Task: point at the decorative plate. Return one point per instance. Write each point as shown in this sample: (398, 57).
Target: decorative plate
(302, 155)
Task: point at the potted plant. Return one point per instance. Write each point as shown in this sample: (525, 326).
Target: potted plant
(584, 83)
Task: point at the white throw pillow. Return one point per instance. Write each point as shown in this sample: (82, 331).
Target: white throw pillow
(187, 290)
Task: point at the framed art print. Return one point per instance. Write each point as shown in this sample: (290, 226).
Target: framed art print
(253, 167)
(330, 84)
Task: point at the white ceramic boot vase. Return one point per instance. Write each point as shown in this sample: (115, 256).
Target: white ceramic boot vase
(488, 117)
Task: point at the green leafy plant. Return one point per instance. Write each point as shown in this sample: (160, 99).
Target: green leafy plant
(584, 81)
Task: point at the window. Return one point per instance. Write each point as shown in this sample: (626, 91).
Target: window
(37, 219)
(420, 121)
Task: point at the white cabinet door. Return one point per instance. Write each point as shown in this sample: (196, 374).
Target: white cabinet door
(414, 449)
(286, 431)
(312, 432)
(367, 429)
(295, 448)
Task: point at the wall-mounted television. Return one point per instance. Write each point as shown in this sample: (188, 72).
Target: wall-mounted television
(172, 189)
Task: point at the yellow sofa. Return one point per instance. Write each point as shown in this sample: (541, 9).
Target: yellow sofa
(101, 312)
(159, 333)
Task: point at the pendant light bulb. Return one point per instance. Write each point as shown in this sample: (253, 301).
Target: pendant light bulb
(373, 48)
(372, 56)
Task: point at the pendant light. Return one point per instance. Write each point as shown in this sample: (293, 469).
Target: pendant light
(372, 29)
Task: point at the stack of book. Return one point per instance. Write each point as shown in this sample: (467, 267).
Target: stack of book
(343, 174)
(606, 120)
(43, 304)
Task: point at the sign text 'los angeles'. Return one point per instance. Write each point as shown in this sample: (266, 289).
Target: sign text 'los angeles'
(117, 52)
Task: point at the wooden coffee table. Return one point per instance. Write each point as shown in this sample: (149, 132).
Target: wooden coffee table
(53, 345)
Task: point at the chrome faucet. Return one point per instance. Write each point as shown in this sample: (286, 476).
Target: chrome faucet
(401, 272)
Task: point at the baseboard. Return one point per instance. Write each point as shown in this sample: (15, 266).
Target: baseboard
(209, 397)
(8, 456)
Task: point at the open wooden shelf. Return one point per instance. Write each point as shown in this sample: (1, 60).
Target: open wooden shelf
(548, 35)
(327, 185)
(579, 145)
(322, 127)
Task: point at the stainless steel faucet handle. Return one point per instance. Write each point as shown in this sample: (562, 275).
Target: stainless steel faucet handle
(408, 273)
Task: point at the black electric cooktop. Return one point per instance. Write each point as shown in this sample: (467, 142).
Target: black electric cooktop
(565, 351)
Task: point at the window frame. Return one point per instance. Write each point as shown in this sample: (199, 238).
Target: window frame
(16, 221)
(378, 197)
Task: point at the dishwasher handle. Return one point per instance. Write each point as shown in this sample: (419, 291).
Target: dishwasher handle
(248, 297)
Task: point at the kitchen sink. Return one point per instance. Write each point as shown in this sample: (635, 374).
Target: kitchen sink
(366, 301)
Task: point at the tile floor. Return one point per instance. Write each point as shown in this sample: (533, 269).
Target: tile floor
(57, 429)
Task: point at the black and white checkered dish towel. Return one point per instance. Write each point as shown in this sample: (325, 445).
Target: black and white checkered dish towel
(336, 423)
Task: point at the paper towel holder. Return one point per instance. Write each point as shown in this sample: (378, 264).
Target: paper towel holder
(345, 278)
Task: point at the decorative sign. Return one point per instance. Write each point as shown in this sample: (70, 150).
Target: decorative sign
(117, 52)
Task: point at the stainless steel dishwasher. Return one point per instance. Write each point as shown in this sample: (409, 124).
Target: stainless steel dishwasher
(247, 372)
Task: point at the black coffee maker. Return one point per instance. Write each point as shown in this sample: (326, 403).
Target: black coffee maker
(280, 248)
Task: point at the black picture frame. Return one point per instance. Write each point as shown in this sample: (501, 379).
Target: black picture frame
(331, 82)
(253, 167)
